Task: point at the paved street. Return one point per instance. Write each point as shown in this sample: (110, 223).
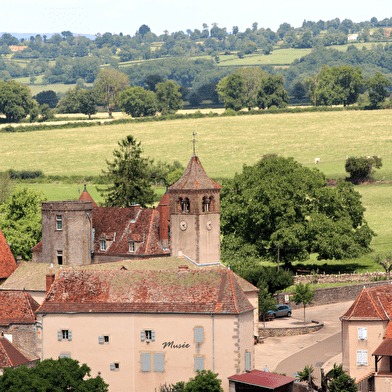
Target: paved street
(320, 349)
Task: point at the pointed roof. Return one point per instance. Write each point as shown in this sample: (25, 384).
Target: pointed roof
(7, 260)
(373, 303)
(194, 178)
(17, 307)
(10, 356)
(85, 196)
(142, 291)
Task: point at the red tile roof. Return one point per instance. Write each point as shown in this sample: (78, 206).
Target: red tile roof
(385, 348)
(374, 303)
(162, 291)
(119, 226)
(17, 307)
(10, 356)
(7, 260)
(262, 379)
(85, 196)
(194, 178)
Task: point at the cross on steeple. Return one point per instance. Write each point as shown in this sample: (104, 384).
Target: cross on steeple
(194, 142)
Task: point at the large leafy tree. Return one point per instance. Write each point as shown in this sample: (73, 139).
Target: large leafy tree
(336, 85)
(272, 93)
(138, 102)
(20, 221)
(205, 380)
(48, 97)
(128, 175)
(79, 100)
(377, 89)
(108, 85)
(15, 100)
(63, 374)
(168, 97)
(232, 90)
(277, 202)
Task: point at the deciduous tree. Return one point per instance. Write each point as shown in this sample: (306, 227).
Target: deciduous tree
(138, 102)
(303, 295)
(377, 89)
(20, 221)
(232, 90)
(168, 97)
(272, 93)
(128, 175)
(108, 85)
(205, 380)
(49, 97)
(362, 168)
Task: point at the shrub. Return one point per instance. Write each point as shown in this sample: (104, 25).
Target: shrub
(361, 169)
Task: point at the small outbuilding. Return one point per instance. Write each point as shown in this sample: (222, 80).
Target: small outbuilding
(259, 381)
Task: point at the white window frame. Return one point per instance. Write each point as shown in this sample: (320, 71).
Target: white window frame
(147, 335)
(60, 257)
(362, 359)
(102, 245)
(131, 247)
(59, 222)
(362, 333)
(64, 334)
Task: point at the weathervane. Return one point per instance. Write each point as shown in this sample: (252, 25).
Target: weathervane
(194, 142)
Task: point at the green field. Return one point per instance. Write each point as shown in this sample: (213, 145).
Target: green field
(223, 145)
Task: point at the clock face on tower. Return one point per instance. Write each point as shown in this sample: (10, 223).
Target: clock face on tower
(209, 225)
(183, 225)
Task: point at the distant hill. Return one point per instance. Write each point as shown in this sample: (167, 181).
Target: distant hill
(48, 35)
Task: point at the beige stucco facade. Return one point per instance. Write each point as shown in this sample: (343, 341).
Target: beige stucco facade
(360, 365)
(225, 341)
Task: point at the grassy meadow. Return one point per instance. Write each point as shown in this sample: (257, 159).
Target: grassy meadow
(223, 145)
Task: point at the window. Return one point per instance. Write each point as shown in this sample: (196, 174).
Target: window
(206, 204)
(60, 257)
(102, 245)
(59, 222)
(103, 339)
(131, 247)
(65, 355)
(114, 366)
(147, 335)
(159, 362)
(64, 334)
(146, 362)
(199, 364)
(362, 333)
(199, 334)
(362, 357)
(248, 363)
(185, 205)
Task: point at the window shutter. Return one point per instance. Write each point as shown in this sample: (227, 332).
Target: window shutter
(146, 362)
(59, 335)
(362, 357)
(112, 366)
(362, 333)
(199, 334)
(153, 336)
(69, 335)
(247, 362)
(100, 340)
(199, 364)
(65, 355)
(159, 362)
(142, 336)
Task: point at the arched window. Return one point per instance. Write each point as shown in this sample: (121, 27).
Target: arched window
(185, 206)
(206, 204)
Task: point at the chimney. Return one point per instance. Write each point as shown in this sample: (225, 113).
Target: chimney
(49, 282)
(19, 260)
(182, 268)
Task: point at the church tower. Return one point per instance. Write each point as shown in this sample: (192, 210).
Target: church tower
(195, 215)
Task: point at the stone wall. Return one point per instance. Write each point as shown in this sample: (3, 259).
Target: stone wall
(338, 278)
(331, 295)
(24, 336)
(290, 331)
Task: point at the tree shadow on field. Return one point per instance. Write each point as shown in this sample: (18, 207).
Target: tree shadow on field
(328, 269)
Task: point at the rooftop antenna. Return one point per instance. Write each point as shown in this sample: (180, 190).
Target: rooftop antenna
(194, 142)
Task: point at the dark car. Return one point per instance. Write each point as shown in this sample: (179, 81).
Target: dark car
(281, 311)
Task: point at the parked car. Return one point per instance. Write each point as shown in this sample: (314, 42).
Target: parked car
(281, 311)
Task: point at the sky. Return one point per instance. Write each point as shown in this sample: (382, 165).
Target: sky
(126, 16)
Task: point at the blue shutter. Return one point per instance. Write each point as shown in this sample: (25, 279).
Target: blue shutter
(69, 335)
(247, 361)
(59, 335)
(142, 336)
(112, 366)
(146, 362)
(199, 364)
(153, 336)
(159, 362)
(65, 355)
(100, 340)
(199, 331)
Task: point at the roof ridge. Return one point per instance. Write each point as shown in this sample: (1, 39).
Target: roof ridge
(375, 307)
(356, 302)
(233, 292)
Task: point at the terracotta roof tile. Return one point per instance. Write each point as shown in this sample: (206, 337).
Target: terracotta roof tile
(85, 196)
(162, 291)
(194, 178)
(264, 379)
(7, 260)
(10, 356)
(372, 303)
(17, 307)
(385, 348)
